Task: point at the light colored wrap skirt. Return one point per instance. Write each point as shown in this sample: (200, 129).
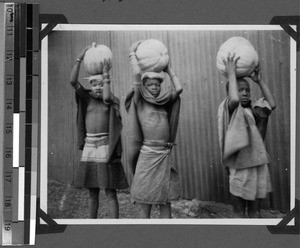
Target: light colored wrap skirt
(250, 183)
(155, 180)
(94, 170)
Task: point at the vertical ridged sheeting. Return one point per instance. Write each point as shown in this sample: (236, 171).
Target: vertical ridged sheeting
(274, 50)
(193, 58)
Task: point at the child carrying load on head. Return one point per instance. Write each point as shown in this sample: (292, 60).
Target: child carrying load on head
(242, 128)
(99, 128)
(152, 130)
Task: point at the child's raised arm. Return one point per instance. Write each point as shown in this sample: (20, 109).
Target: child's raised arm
(233, 96)
(133, 62)
(75, 70)
(264, 88)
(106, 81)
(174, 79)
(136, 79)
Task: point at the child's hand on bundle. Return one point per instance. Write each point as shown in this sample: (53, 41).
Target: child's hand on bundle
(230, 64)
(167, 68)
(106, 65)
(133, 61)
(134, 46)
(256, 75)
(81, 55)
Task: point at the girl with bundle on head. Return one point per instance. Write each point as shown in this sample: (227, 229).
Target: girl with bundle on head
(151, 134)
(242, 128)
(99, 135)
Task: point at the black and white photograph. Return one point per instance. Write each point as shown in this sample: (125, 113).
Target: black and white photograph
(177, 124)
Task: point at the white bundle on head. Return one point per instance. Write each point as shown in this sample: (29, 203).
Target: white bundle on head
(242, 48)
(152, 55)
(94, 56)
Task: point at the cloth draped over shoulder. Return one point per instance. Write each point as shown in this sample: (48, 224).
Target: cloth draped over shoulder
(115, 127)
(134, 133)
(240, 141)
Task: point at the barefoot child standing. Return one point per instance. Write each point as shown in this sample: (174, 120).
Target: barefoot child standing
(99, 128)
(154, 120)
(242, 129)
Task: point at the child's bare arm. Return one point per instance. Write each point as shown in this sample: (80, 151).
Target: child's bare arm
(106, 81)
(174, 79)
(133, 62)
(264, 88)
(233, 95)
(136, 79)
(75, 70)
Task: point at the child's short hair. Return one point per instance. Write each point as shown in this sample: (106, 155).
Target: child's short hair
(238, 79)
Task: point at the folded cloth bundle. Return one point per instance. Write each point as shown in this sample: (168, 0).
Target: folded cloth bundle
(151, 55)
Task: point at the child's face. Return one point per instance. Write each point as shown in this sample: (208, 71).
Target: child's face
(244, 92)
(97, 87)
(153, 86)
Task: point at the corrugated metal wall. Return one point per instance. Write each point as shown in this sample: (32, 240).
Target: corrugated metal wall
(193, 58)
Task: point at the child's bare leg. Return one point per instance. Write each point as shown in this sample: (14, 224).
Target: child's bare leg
(93, 202)
(254, 208)
(239, 207)
(259, 207)
(113, 204)
(165, 211)
(145, 210)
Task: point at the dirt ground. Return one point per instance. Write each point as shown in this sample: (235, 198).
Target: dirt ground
(67, 202)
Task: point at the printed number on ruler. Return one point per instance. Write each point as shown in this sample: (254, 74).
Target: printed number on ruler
(8, 116)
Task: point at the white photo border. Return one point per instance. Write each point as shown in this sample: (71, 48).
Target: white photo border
(44, 125)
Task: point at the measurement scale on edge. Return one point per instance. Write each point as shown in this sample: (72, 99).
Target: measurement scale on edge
(8, 125)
